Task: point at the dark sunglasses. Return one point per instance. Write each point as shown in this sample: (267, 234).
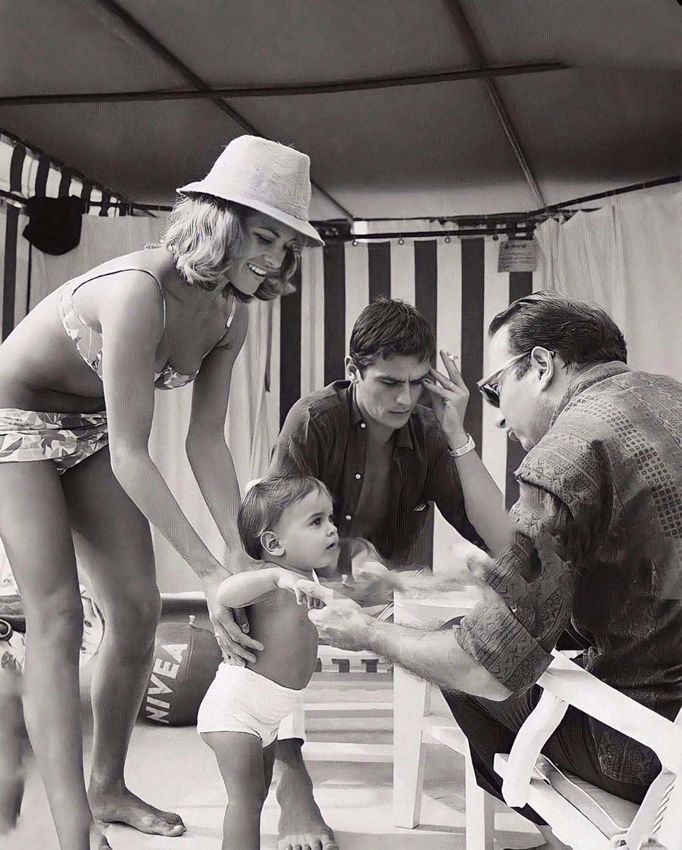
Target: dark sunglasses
(489, 387)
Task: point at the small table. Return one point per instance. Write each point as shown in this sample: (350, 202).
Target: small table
(413, 720)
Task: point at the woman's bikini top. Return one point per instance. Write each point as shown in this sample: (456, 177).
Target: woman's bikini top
(88, 341)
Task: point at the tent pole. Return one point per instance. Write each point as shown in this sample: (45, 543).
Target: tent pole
(366, 84)
(464, 29)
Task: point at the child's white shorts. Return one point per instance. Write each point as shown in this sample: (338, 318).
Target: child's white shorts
(241, 700)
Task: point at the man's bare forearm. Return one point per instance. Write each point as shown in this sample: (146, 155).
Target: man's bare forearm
(484, 503)
(432, 655)
(425, 582)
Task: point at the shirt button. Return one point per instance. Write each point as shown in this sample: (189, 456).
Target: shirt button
(358, 476)
(349, 517)
(363, 425)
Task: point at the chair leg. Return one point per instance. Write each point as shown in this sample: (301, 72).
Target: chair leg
(410, 704)
(480, 812)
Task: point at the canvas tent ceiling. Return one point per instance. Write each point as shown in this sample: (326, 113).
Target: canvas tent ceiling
(610, 118)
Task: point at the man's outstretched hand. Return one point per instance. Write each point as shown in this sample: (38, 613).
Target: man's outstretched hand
(372, 583)
(341, 623)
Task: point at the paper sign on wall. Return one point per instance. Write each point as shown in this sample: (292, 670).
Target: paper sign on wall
(518, 255)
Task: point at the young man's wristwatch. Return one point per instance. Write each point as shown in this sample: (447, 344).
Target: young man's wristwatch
(469, 446)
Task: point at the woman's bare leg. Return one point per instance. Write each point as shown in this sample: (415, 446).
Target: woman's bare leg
(240, 759)
(35, 532)
(113, 545)
(12, 746)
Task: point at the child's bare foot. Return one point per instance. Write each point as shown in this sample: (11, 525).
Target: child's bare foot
(122, 806)
(301, 823)
(316, 835)
(98, 841)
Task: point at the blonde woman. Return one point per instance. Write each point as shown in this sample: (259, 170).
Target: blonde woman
(77, 384)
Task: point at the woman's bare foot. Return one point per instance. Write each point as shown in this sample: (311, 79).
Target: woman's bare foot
(125, 807)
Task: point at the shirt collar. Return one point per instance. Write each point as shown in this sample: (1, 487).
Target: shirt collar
(402, 439)
(588, 378)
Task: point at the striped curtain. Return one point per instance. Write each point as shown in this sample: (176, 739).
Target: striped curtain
(25, 173)
(454, 282)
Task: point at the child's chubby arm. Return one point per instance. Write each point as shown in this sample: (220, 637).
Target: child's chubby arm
(314, 594)
(242, 589)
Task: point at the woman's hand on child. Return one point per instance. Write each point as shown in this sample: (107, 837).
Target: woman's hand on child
(236, 646)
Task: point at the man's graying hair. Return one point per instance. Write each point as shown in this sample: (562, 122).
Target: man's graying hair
(580, 333)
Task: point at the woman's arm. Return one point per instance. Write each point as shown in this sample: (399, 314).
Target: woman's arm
(131, 319)
(132, 325)
(207, 451)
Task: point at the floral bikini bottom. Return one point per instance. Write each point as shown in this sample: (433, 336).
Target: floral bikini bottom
(65, 438)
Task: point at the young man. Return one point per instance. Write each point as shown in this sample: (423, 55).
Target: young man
(596, 542)
(385, 459)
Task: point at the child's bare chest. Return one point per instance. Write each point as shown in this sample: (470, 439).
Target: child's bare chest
(288, 637)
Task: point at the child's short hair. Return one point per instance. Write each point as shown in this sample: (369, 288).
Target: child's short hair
(265, 503)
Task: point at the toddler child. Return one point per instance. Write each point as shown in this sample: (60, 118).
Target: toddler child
(288, 523)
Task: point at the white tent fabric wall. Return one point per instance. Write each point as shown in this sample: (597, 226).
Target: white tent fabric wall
(627, 257)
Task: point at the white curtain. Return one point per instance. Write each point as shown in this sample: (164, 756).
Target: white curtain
(247, 431)
(626, 257)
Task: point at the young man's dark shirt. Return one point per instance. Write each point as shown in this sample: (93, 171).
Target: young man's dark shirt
(325, 435)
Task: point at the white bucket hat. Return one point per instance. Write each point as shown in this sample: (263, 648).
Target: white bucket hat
(265, 176)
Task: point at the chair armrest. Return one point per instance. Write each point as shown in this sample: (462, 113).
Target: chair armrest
(525, 751)
(568, 682)
(565, 683)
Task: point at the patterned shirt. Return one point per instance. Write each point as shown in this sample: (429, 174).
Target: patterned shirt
(325, 435)
(598, 543)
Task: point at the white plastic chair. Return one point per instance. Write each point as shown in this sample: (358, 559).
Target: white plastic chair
(580, 814)
(415, 722)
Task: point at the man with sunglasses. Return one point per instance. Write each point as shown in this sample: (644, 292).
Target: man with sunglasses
(596, 543)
